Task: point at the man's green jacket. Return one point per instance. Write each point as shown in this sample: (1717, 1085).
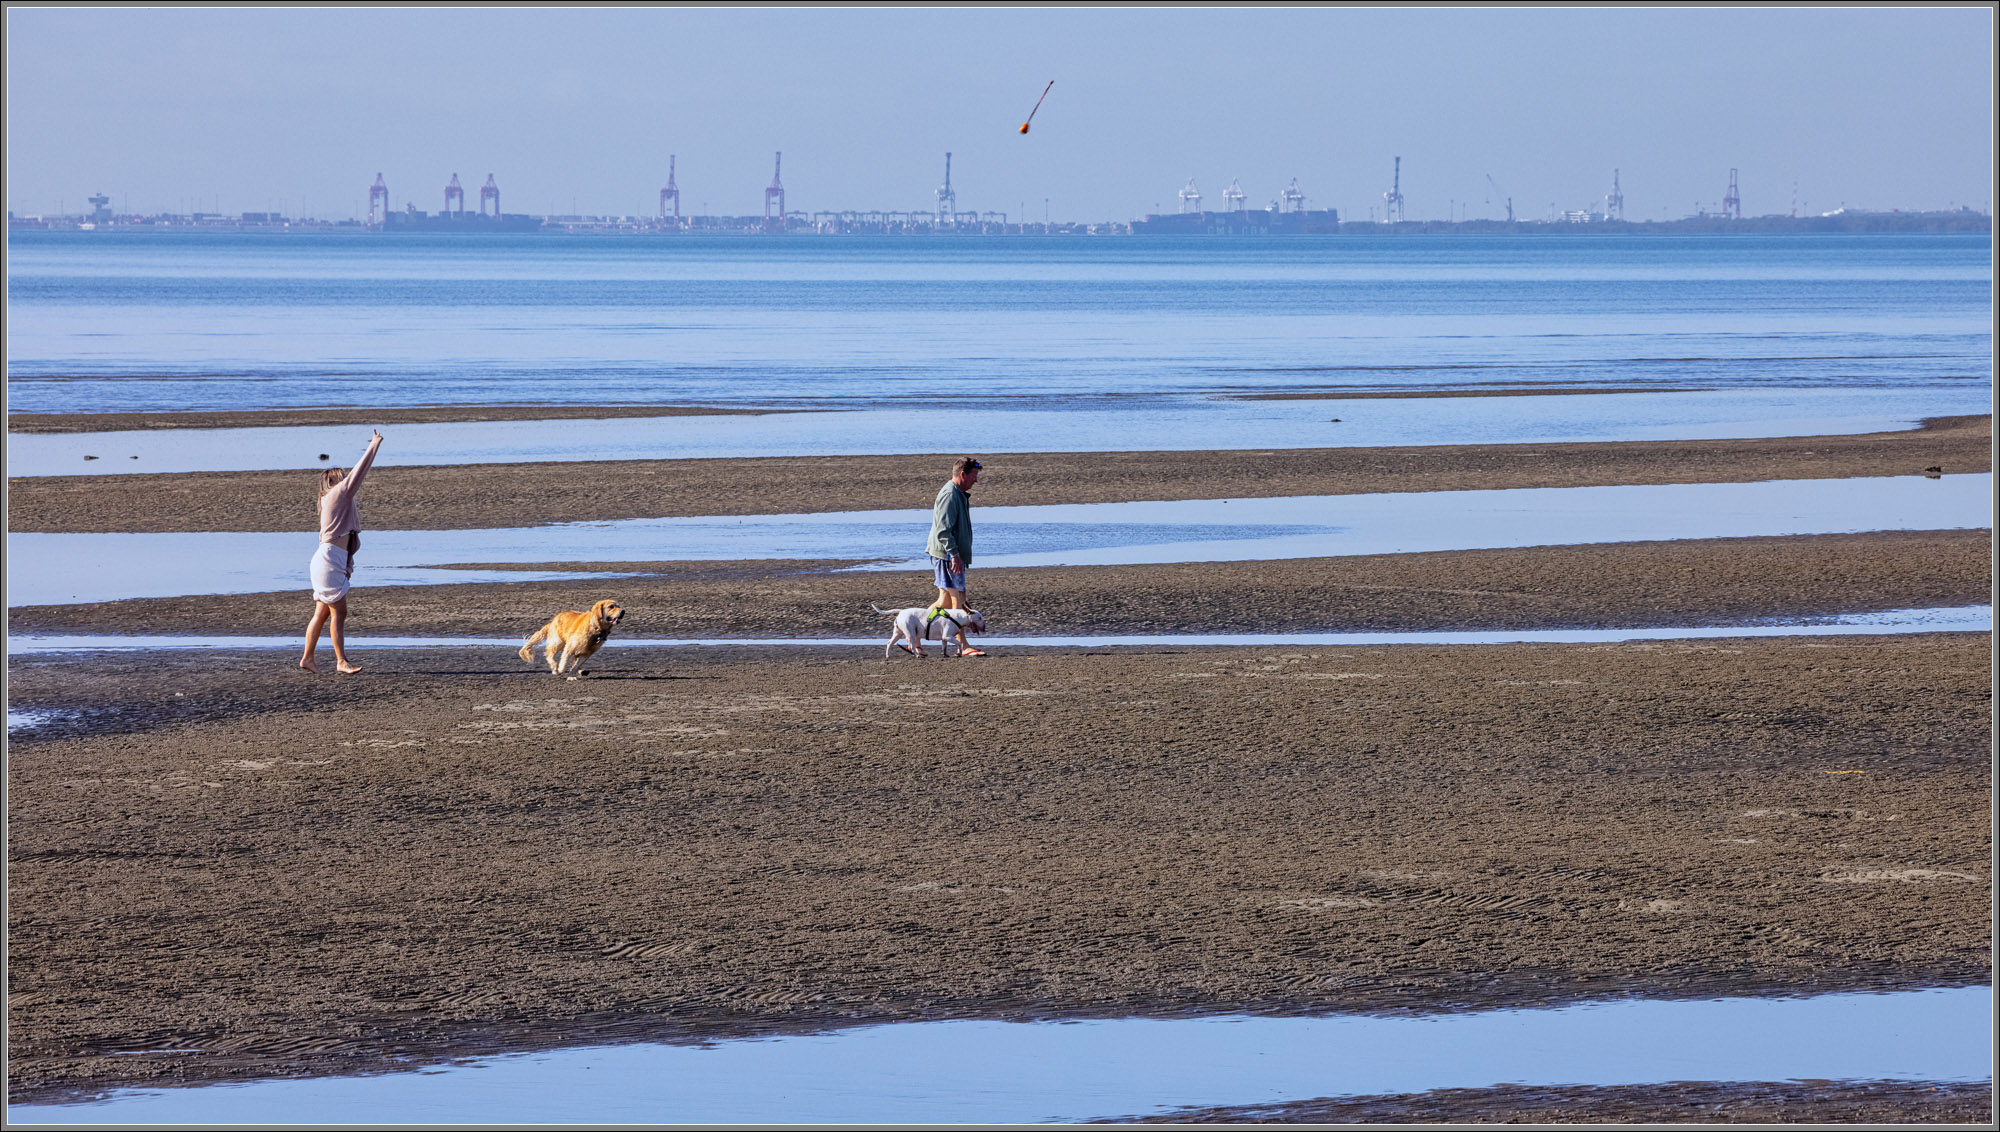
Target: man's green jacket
(951, 525)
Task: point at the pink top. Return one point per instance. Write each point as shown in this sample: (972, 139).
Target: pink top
(339, 513)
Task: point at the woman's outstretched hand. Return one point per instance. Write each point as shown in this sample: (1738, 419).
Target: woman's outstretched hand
(377, 438)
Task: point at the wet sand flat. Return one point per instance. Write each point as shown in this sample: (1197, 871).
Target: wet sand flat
(1624, 585)
(1682, 1102)
(526, 494)
(456, 853)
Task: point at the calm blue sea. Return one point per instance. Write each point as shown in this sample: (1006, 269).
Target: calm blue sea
(108, 321)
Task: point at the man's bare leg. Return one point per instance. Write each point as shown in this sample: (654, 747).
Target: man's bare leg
(965, 648)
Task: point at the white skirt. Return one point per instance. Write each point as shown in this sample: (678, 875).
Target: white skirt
(330, 568)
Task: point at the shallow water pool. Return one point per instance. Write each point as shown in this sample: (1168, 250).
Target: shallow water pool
(1004, 1072)
(1137, 424)
(1954, 619)
(60, 568)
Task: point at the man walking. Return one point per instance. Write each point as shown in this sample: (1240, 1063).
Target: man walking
(950, 545)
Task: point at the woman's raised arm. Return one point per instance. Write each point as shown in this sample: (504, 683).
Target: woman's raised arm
(353, 480)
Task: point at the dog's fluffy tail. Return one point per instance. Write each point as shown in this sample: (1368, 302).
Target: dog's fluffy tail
(528, 649)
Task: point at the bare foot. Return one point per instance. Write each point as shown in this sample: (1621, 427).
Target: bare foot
(349, 669)
(309, 665)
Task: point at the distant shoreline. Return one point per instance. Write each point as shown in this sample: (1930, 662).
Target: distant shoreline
(1207, 224)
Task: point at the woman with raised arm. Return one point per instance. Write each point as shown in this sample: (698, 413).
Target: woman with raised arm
(333, 562)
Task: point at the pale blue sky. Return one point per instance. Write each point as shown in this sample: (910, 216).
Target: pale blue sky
(298, 110)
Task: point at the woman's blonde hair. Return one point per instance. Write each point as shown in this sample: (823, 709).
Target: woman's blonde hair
(328, 480)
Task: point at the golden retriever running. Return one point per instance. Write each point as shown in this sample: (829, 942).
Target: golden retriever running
(571, 637)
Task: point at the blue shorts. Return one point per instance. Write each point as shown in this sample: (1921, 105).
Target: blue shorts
(946, 580)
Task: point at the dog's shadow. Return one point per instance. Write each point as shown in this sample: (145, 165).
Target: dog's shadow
(594, 677)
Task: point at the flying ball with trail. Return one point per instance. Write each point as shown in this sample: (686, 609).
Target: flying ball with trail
(1038, 106)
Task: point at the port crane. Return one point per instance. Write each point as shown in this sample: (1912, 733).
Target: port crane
(1233, 197)
(776, 192)
(378, 194)
(1614, 201)
(1510, 200)
(1392, 201)
(454, 193)
(947, 208)
(1190, 197)
(671, 192)
(1294, 197)
(490, 191)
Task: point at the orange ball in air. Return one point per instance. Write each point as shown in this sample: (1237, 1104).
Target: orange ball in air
(1024, 127)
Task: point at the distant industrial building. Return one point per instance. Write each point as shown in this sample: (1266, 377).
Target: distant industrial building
(1286, 216)
(453, 218)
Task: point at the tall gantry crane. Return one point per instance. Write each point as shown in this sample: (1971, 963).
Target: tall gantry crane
(454, 194)
(378, 194)
(1498, 193)
(1295, 198)
(489, 191)
(1732, 204)
(1190, 197)
(1392, 201)
(671, 192)
(1232, 197)
(947, 200)
(1614, 201)
(775, 192)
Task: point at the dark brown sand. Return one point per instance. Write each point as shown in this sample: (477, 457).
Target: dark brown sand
(1691, 582)
(355, 415)
(1682, 1102)
(510, 495)
(455, 853)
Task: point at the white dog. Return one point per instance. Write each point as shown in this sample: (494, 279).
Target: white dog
(918, 624)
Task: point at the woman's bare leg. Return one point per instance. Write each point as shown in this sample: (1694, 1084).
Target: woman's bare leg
(338, 633)
(320, 611)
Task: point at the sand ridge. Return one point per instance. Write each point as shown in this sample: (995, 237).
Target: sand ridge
(1675, 583)
(528, 494)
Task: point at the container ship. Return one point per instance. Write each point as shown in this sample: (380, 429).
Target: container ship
(1242, 222)
(410, 220)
